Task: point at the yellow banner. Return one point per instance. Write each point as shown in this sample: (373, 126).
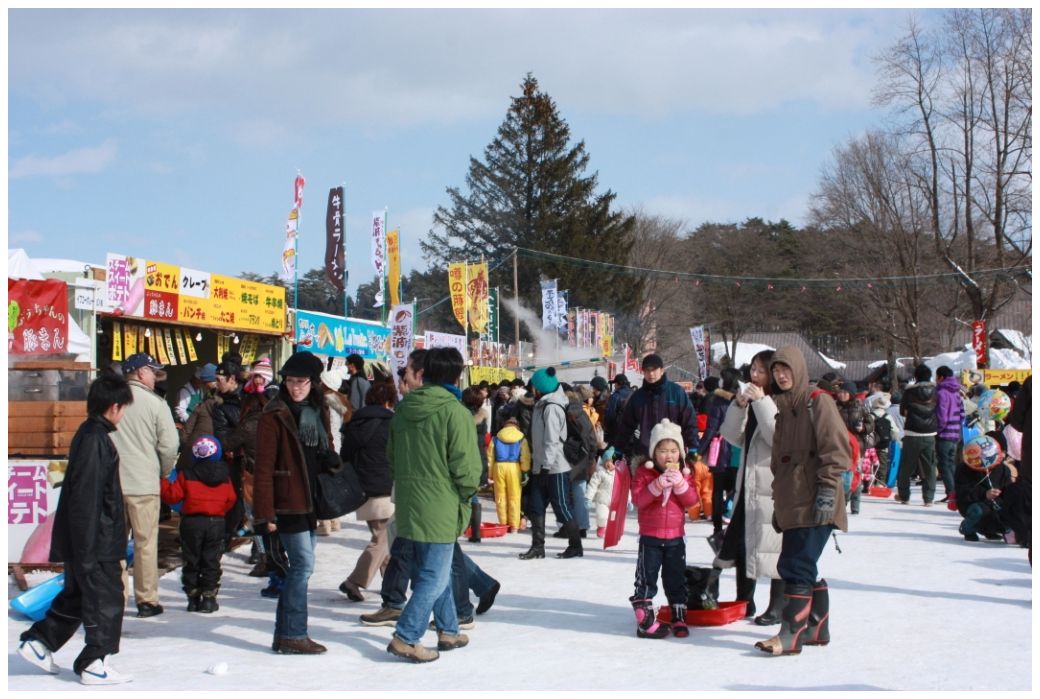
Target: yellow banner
(129, 339)
(168, 338)
(247, 348)
(156, 340)
(491, 374)
(117, 341)
(393, 261)
(190, 345)
(457, 289)
(1002, 377)
(477, 296)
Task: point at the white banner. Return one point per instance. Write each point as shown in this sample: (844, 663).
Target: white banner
(549, 305)
(379, 251)
(697, 337)
(561, 310)
(432, 339)
(401, 321)
(288, 272)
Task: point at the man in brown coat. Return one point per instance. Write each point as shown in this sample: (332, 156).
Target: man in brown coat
(810, 453)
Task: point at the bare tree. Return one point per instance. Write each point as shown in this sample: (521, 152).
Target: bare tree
(963, 100)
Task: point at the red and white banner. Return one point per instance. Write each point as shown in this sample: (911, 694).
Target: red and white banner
(298, 192)
(37, 316)
(979, 342)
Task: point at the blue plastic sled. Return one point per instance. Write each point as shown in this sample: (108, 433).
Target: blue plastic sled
(35, 601)
(894, 452)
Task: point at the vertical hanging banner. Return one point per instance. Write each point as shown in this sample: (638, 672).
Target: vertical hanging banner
(402, 318)
(289, 251)
(335, 256)
(457, 290)
(699, 346)
(477, 296)
(378, 246)
(549, 304)
(561, 310)
(571, 328)
(490, 333)
(610, 336)
(979, 344)
(393, 266)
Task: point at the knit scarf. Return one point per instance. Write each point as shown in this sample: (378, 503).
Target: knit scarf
(312, 432)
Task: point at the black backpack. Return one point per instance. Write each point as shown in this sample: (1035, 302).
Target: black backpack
(580, 446)
(883, 431)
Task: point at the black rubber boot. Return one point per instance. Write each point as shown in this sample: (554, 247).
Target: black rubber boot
(819, 632)
(474, 523)
(193, 600)
(574, 549)
(774, 612)
(797, 605)
(746, 592)
(647, 625)
(537, 549)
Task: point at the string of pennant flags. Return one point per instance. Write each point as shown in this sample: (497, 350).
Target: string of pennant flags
(774, 283)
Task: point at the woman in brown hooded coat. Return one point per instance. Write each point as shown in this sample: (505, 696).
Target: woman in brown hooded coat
(810, 454)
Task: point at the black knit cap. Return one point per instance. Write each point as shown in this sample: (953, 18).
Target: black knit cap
(303, 364)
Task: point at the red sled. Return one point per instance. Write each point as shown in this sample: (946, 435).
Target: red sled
(618, 504)
(488, 530)
(727, 613)
(879, 491)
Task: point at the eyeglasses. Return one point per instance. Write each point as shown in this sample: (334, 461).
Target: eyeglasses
(296, 381)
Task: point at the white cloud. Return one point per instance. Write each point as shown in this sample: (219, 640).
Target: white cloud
(377, 68)
(80, 161)
(29, 236)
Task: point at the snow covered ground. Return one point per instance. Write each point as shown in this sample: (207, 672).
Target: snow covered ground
(913, 606)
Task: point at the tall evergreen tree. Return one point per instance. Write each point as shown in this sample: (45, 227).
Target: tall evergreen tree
(530, 191)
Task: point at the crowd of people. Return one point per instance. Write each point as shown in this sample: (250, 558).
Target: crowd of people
(776, 461)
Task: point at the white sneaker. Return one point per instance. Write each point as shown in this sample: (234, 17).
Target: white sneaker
(100, 672)
(37, 654)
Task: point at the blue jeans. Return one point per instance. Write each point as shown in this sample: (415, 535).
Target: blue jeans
(946, 452)
(466, 575)
(291, 616)
(398, 571)
(431, 591)
(801, 549)
(581, 510)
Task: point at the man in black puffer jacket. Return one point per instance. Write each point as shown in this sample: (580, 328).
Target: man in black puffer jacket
(920, 428)
(226, 416)
(89, 537)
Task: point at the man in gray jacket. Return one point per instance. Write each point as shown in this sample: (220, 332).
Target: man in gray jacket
(550, 471)
(147, 444)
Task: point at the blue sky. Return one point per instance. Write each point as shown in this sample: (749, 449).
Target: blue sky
(175, 135)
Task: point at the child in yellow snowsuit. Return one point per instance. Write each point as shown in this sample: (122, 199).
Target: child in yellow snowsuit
(508, 455)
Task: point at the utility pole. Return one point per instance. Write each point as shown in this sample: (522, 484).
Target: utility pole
(516, 300)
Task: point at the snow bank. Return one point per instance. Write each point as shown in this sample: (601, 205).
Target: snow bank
(832, 363)
(745, 351)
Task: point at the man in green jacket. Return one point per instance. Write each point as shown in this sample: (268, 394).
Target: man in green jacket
(436, 467)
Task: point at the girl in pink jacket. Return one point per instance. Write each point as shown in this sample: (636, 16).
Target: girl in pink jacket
(662, 493)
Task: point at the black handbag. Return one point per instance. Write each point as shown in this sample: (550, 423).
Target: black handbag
(338, 493)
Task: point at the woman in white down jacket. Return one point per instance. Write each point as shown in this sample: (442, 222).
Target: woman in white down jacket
(750, 542)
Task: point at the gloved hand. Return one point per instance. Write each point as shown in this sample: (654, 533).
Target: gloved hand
(674, 476)
(823, 508)
(664, 480)
(659, 484)
(679, 483)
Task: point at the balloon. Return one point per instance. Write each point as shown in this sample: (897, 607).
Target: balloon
(982, 453)
(999, 405)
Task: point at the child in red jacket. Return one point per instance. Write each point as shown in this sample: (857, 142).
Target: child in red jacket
(662, 493)
(206, 490)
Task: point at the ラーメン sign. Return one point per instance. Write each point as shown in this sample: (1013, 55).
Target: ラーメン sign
(150, 290)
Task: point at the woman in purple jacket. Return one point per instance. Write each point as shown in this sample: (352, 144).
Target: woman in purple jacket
(949, 413)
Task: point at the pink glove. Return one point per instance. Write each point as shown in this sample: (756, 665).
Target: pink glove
(658, 485)
(681, 485)
(674, 476)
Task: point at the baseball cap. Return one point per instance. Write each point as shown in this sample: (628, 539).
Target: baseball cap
(620, 379)
(208, 373)
(141, 359)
